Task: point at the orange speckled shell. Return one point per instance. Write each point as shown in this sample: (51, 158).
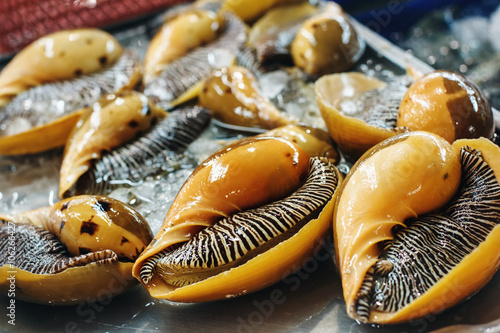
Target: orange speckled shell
(58, 56)
(113, 121)
(314, 141)
(233, 96)
(92, 222)
(447, 104)
(179, 35)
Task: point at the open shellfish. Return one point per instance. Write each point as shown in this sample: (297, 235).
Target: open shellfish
(416, 226)
(72, 251)
(175, 72)
(47, 84)
(361, 111)
(125, 138)
(237, 211)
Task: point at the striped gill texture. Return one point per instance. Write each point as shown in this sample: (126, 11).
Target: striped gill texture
(222, 247)
(436, 239)
(72, 251)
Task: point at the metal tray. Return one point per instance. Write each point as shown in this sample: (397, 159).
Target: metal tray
(307, 301)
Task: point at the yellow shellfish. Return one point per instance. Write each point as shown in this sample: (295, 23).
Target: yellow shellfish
(45, 87)
(327, 43)
(415, 218)
(315, 142)
(228, 223)
(59, 56)
(442, 102)
(109, 123)
(73, 251)
(233, 96)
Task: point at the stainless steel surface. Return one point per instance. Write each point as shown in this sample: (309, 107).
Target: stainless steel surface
(308, 301)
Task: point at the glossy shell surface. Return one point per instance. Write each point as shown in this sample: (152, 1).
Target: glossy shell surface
(59, 56)
(448, 104)
(327, 43)
(52, 109)
(87, 245)
(314, 141)
(233, 96)
(421, 227)
(113, 121)
(154, 152)
(179, 80)
(214, 194)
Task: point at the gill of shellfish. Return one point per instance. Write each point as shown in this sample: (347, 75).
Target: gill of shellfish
(435, 210)
(233, 96)
(109, 123)
(154, 152)
(359, 111)
(70, 251)
(51, 110)
(177, 77)
(218, 207)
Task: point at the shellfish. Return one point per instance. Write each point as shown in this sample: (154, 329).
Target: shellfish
(360, 111)
(72, 251)
(327, 43)
(177, 75)
(272, 35)
(448, 104)
(416, 226)
(250, 10)
(44, 97)
(125, 138)
(233, 96)
(238, 210)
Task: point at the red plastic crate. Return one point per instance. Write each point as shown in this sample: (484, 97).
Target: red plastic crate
(24, 21)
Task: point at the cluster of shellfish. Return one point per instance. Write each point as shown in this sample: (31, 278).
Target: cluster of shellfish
(417, 212)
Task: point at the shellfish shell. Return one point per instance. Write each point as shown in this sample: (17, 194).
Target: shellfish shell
(51, 110)
(97, 240)
(181, 78)
(233, 96)
(113, 121)
(58, 56)
(152, 153)
(206, 206)
(422, 232)
(327, 43)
